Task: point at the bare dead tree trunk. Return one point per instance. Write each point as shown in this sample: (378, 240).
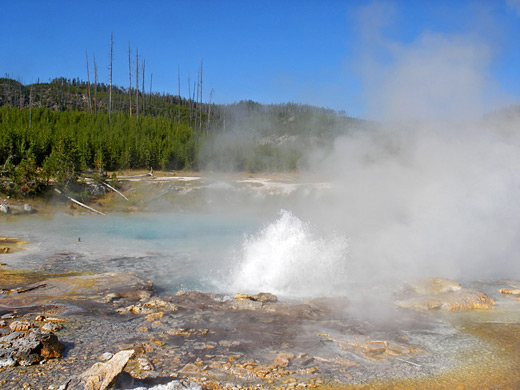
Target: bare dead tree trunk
(95, 85)
(151, 77)
(143, 97)
(30, 107)
(195, 86)
(137, 82)
(209, 107)
(129, 79)
(179, 82)
(110, 87)
(200, 108)
(88, 85)
(189, 96)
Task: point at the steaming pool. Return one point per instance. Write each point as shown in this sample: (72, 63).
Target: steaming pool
(333, 341)
(176, 251)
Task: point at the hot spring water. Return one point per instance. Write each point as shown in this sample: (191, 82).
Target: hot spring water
(209, 252)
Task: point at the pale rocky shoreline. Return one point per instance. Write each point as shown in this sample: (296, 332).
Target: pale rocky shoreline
(68, 320)
(213, 341)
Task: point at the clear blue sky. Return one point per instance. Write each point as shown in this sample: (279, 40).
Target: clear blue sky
(315, 52)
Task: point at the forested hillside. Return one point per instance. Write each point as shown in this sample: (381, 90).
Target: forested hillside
(56, 130)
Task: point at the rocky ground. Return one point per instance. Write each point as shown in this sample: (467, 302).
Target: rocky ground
(90, 331)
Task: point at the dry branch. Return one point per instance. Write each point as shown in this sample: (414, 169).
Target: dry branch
(79, 203)
(116, 191)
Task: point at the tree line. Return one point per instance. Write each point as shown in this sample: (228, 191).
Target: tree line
(41, 144)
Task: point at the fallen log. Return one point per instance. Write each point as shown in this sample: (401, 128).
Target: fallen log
(136, 176)
(79, 203)
(116, 191)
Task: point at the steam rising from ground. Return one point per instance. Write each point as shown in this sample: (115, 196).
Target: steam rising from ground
(432, 191)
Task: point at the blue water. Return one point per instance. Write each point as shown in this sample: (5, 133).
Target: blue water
(174, 250)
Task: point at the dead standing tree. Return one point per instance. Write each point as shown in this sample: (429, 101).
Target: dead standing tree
(209, 107)
(200, 107)
(189, 96)
(88, 85)
(129, 80)
(143, 95)
(137, 82)
(95, 85)
(179, 100)
(110, 68)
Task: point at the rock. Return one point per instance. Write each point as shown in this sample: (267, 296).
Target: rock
(51, 327)
(265, 297)
(4, 208)
(150, 307)
(283, 359)
(246, 304)
(28, 208)
(27, 348)
(79, 287)
(22, 326)
(430, 286)
(157, 303)
(252, 302)
(228, 344)
(110, 297)
(51, 347)
(106, 356)
(446, 295)
(509, 291)
(145, 364)
(260, 297)
(154, 316)
(11, 337)
(7, 362)
(141, 368)
(190, 369)
(100, 375)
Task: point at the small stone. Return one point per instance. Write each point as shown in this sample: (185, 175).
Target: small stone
(28, 208)
(51, 347)
(11, 337)
(54, 319)
(106, 356)
(7, 362)
(265, 297)
(154, 316)
(246, 304)
(190, 369)
(430, 286)
(51, 327)
(145, 364)
(283, 359)
(509, 291)
(110, 297)
(20, 326)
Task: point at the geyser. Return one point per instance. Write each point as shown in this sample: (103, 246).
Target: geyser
(290, 258)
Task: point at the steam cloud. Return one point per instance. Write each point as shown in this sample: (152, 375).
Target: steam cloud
(433, 189)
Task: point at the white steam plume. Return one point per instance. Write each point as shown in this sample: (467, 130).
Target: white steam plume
(431, 191)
